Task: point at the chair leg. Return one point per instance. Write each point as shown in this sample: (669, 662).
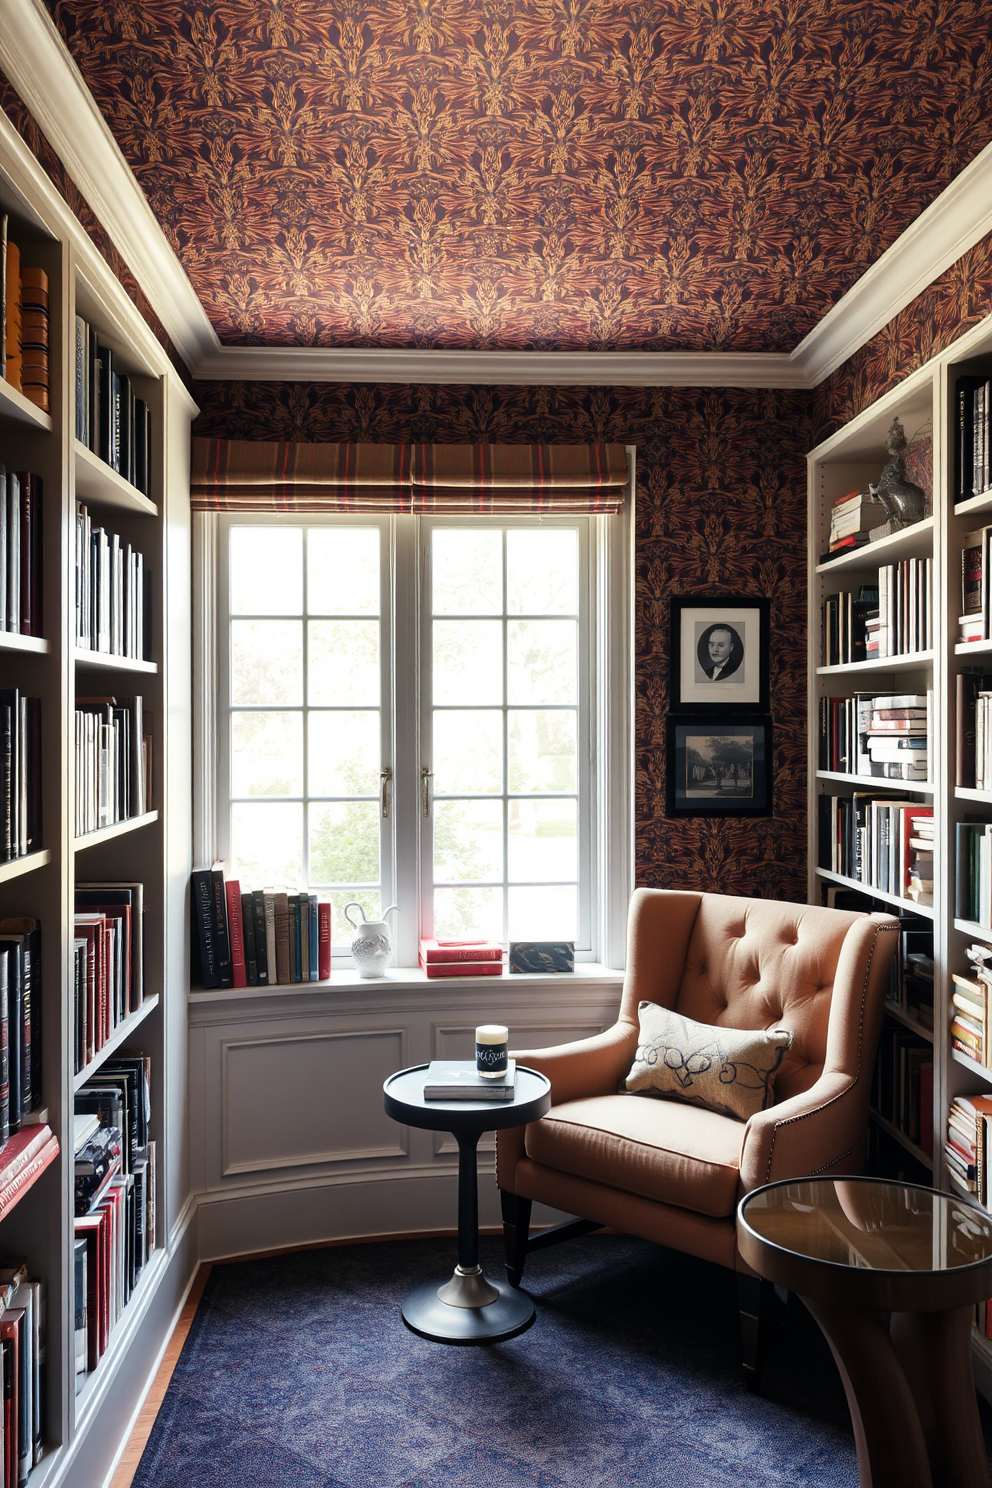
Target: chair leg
(516, 1227)
(756, 1301)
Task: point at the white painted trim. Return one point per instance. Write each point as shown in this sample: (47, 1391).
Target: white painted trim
(38, 64)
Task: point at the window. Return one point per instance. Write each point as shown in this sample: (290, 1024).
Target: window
(422, 711)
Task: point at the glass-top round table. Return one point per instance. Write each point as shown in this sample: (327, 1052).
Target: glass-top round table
(855, 1248)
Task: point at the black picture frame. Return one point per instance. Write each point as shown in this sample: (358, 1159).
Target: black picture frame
(706, 755)
(739, 624)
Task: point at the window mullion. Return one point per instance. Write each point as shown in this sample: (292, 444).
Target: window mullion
(407, 739)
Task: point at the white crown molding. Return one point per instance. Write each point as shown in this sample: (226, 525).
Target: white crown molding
(503, 368)
(35, 59)
(959, 217)
(39, 66)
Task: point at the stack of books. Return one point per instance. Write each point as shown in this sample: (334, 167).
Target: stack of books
(868, 838)
(919, 885)
(851, 519)
(898, 735)
(458, 1079)
(23, 322)
(447, 958)
(967, 1144)
(970, 1017)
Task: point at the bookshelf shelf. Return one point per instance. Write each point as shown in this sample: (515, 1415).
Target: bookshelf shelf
(14, 405)
(974, 505)
(962, 793)
(873, 782)
(891, 1130)
(118, 829)
(30, 1176)
(972, 1066)
(118, 1038)
(107, 661)
(893, 1010)
(95, 481)
(26, 645)
(912, 542)
(909, 662)
(907, 905)
(970, 927)
(20, 866)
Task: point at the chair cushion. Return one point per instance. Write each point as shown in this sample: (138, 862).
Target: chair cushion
(663, 1150)
(729, 1070)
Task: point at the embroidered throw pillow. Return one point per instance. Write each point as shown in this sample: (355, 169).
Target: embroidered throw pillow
(729, 1070)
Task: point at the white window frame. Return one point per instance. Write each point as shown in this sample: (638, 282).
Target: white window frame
(610, 671)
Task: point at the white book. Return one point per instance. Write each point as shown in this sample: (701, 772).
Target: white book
(458, 1079)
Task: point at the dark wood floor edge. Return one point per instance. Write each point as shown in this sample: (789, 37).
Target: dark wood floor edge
(142, 1428)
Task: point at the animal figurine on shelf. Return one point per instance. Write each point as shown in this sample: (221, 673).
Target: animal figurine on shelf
(904, 502)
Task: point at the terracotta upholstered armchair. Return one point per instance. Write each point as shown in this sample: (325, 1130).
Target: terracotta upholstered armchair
(672, 1172)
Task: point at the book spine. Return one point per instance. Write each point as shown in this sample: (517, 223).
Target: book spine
(224, 969)
(270, 937)
(238, 969)
(283, 935)
(314, 939)
(248, 929)
(324, 940)
(202, 914)
(261, 948)
(4, 1053)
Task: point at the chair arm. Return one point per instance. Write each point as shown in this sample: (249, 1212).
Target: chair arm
(587, 1067)
(805, 1134)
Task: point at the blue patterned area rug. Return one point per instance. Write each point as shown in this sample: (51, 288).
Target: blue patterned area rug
(299, 1373)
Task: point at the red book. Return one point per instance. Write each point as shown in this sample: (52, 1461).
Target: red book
(432, 951)
(236, 930)
(10, 1332)
(324, 940)
(461, 968)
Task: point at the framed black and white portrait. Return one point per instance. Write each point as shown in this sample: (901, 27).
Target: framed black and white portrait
(719, 650)
(719, 766)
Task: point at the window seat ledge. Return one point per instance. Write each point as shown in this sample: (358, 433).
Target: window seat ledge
(400, 979)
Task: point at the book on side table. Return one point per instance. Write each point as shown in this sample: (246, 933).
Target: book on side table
(458, 1079)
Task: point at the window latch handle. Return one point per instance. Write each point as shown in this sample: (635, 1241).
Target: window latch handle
(385, 791)
(426, 776)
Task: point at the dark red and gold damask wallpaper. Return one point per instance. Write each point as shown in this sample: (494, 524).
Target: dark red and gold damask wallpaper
(555, 174)
(721, 509)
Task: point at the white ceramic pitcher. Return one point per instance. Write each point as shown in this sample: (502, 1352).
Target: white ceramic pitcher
(371, 945)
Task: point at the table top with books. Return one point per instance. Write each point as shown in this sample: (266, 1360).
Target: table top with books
(450, 1092)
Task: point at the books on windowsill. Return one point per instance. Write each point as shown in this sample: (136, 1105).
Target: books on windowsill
(447, 958)
(458, 1079)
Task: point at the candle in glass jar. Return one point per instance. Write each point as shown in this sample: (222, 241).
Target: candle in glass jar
(491, 1046)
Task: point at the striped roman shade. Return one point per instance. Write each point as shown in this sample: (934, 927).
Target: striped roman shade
(245, 475)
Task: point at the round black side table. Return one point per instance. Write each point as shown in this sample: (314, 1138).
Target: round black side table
(469, 1308)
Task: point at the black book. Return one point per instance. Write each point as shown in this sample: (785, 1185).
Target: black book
(125, 428)
(82, 379)
(10, 946)
(141, 443)
(204, 935)
(261, 949)
(24, 933)
(964, 454)
(105, 411)
(248, 926)
(13, 555)
(7, 781)
(115, 423)
(224, 968)
(32, 748)
(4, 1054)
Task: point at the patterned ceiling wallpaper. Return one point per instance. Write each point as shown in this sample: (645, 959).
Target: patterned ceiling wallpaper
(680, 174)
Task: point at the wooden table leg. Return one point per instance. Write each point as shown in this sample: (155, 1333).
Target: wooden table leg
(892, 1450)
(935, 1351)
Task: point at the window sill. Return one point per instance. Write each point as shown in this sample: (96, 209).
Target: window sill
(411, 979)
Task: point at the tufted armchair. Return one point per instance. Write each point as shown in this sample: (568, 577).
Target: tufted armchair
(673, 1172)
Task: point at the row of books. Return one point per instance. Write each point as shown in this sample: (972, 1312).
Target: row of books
(22, 1372)
(111, 420)
(883, 844)
(902, 1091)
(852, 517)
(20, 774)
(112, 761)
(969, 684)
(891, 618)
(973, 872)
(970, 1014)
(112, 598)
(21, 502)
(911, 979)
(976, 565)
(967, 1149)
(886, 735)
(108, 956)
(974, 459)
(23, 322)
(263, 937)
(114, 1226)
(20, 1023)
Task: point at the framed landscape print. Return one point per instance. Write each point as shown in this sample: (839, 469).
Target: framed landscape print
(719, 651)
(719, 766)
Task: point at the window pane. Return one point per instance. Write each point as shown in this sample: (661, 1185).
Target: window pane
(467, 572)
(542, 750)
(344, 842)
(469, 913)
(542, 572)
(343, 662)
(543, 914)
(468, 841)
(541, 661)
(266, 571)
(543, 841)
(468, 751)
(343, 571)
(343, 755)
(468, 661)
(341, 931)
(266, 662)
(267, 754)
(267, 843)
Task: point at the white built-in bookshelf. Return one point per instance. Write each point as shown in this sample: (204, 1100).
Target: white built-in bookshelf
(83, 1426)
(926, 405)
